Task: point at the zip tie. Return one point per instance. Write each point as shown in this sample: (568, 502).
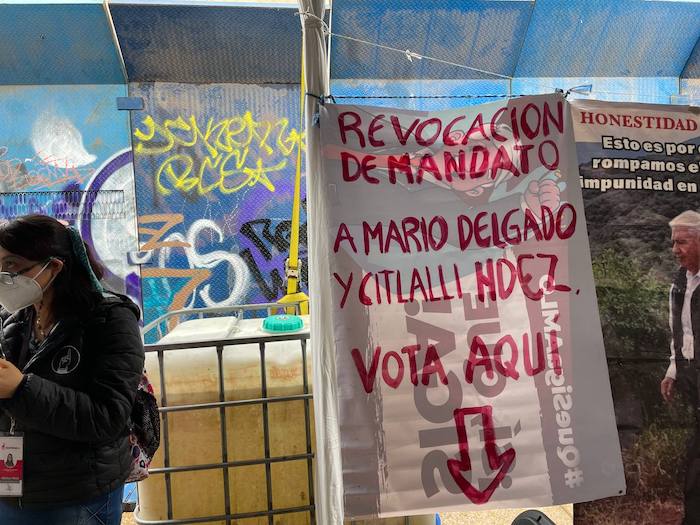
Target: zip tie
(410, 55)
(320, 98)
(308, 14)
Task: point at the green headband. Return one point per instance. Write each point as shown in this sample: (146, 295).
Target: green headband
(81, 254)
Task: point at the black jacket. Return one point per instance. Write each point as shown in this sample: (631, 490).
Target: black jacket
(74, 407)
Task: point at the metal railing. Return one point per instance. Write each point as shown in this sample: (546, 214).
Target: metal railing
(199, 313)
(268, 460)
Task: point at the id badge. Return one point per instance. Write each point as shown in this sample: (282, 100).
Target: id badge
(11, 462)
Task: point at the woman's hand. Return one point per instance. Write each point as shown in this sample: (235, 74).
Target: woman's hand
(10, 379)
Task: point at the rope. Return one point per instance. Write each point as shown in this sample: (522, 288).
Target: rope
(410, 55)
(428, 96)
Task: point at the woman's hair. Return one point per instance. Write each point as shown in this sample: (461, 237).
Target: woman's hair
(39, 238)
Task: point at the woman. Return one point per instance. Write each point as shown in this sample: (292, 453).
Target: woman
(73, 358)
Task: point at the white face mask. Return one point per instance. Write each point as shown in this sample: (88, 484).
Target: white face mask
(19, 291)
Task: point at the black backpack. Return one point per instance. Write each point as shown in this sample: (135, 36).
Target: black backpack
(144, 430)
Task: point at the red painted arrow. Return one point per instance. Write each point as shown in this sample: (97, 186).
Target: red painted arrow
(496, 460)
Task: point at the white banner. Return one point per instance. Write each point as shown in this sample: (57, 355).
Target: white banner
(470, 362)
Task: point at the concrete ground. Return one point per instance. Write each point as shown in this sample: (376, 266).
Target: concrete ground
(562, 515)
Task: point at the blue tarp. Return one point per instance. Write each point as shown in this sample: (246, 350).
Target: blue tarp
(646, 51)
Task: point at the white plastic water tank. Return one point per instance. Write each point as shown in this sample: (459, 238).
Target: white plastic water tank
(192, 377)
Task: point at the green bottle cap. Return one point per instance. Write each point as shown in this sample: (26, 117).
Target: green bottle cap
(279, 324)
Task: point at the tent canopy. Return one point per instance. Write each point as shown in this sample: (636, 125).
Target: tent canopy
(646, 50)
(543, 38)
(628, 49)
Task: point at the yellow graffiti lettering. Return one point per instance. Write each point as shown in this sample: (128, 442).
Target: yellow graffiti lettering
(150, 134)
(253, 176)
(177, 169)
(180, 124)
(225, 156)
(147, 135)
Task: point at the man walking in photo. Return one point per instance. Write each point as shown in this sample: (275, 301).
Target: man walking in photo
(684, 319)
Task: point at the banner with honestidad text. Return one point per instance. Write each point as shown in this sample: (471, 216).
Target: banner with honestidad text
(639, 167)
(470, 363)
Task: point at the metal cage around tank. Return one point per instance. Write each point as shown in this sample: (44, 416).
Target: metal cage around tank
(264, 401)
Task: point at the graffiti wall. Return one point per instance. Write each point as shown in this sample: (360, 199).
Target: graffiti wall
(215, 168)
(65, 152)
